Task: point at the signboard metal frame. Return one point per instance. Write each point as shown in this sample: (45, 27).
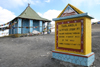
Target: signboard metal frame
(82, 35)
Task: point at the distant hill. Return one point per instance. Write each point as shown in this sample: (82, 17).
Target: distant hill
(96, 26)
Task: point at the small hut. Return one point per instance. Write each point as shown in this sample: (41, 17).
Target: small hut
(27, 22)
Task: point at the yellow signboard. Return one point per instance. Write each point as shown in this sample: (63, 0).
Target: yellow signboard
(73, 35)
(69, 35)
(73, 31)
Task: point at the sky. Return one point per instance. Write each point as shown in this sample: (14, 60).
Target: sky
(49, 9)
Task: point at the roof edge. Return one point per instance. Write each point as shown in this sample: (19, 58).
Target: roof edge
(76, 9)
(74, 16)
(34, 19)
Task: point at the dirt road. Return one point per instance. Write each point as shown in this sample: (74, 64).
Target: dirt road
(35, 51)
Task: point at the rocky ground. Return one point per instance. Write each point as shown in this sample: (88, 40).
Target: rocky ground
(36, 51)
(96, 43)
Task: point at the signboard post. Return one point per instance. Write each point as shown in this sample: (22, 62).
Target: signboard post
(73, 37)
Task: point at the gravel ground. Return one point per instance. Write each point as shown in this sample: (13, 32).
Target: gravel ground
(36, 51)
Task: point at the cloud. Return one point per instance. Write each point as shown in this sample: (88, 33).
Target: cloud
(6, 15)
(47, 1)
